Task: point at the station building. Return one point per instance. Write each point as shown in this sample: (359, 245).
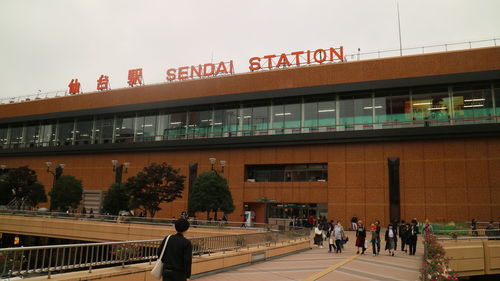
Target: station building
(401, 137)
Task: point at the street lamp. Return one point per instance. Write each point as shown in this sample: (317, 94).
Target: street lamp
(213, 161)
(58, 171)
(118, 169)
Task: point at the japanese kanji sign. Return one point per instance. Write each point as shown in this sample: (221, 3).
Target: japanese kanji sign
(135, 77)
(103, 83)
(74, 86)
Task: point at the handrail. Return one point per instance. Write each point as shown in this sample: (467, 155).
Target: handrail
(24, 261)
(354, 56)
(135, 220)
(486, 237)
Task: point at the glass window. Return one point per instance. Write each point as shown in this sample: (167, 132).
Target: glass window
(472, 104)
(231, 122)
(326, 115)
(363, 112)
(293, 117)
(346, 112)
(431, 107)
(104, 129)
(124, 128)
(287, 116)
(278, 117)
(260, 120)
(392, 109)
(3, 137)
(246, 121)
(218, 127)
(311, 115)
(83, 132)
(146, 127)
(286, 173)
(176, 126)
(16, 137)
(65, 132)
(200, 124)
(32, 134)
(48, 134)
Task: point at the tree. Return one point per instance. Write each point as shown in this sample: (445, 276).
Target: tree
(36, 195)
(153, 185)
(5, 190)
(67, 192)
(211, 193)
(21, 184)
(116, 199)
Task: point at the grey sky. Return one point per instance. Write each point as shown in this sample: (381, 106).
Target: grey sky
(44, 44)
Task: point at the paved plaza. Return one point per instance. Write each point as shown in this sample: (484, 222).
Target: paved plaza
(318, 264)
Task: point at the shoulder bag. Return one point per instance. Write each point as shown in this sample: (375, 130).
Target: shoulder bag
(157, 270)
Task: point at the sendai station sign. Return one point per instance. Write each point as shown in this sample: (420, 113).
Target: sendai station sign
(267, 62)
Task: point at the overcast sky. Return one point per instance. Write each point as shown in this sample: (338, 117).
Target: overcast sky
(44, 44)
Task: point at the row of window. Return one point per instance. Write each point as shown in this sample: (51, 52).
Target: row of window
(410, 107)
(286, 173)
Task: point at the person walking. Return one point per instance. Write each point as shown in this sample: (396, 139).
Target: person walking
(318, 236)
(395, 228)
(473, 227)
(402, 235)
(413, 237)
(377, 224)
(375, 239)
(427, 228)
(354, 223)
(339, 235)
(360, 237)
(390, 239)
(177, 258)
(331, 237)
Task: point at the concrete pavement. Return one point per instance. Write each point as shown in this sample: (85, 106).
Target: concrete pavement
(318, 264)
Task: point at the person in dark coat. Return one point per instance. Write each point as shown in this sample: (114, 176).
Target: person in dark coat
(402, 235)
(360, 237)
(177, 258)
(390, 239)
(412, 236)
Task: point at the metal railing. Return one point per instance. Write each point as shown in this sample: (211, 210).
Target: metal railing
(134, 220)
(349, 57)
(39, 260)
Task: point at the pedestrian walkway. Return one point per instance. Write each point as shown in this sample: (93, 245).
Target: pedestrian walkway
(318, 264)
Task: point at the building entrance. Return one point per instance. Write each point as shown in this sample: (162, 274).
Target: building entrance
(297, 210)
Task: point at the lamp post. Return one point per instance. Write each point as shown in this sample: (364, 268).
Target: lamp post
(118, 169)
(57, 173)
(213, 161)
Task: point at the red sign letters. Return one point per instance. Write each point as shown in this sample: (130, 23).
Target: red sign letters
(135, 77)
(74, 86)
(200, 71)
(298, 58)
(102, 83)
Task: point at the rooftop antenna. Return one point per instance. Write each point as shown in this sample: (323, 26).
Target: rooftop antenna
(399, 28)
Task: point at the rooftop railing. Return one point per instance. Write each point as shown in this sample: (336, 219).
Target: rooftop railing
(41, 260)
(350, 57)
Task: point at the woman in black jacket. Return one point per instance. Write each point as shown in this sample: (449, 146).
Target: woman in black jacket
(390, 239)
(360, 237)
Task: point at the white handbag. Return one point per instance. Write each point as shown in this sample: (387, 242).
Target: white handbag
(157, 270)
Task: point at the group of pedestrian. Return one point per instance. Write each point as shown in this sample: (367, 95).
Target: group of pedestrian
(331, 232)
(399, 231)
